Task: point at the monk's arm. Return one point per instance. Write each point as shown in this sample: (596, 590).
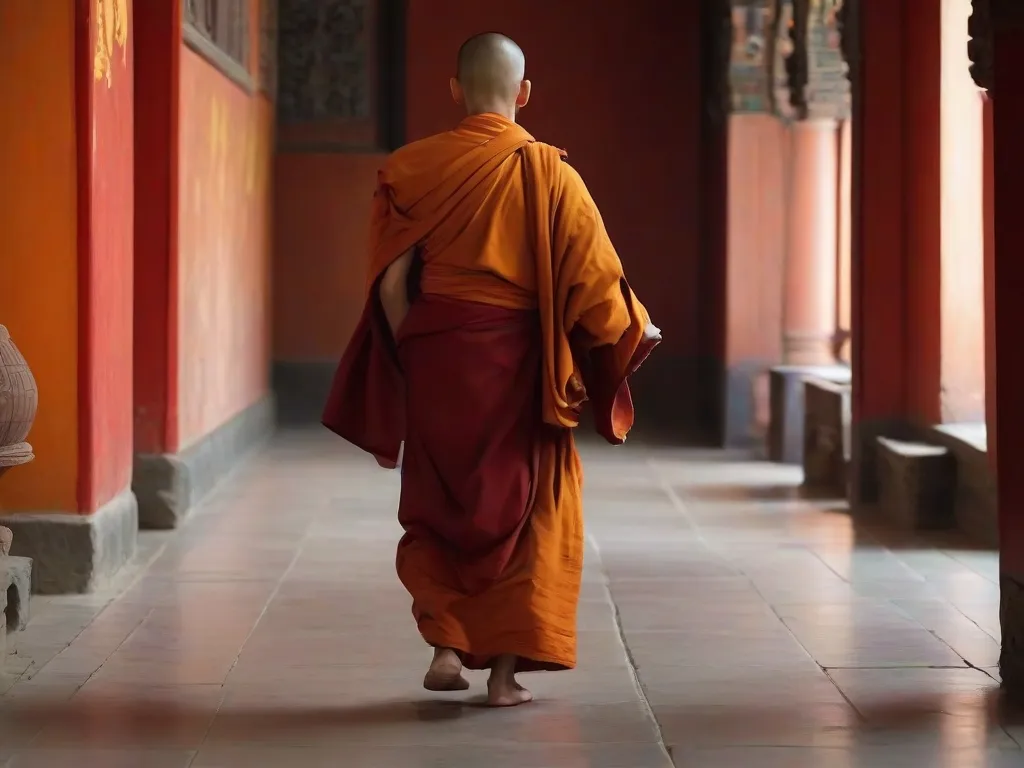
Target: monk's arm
(394, 291)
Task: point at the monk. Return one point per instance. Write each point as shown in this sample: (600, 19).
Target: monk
(496, 308)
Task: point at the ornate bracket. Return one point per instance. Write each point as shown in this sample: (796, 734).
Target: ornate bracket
(987, 18)
(718, 29)
(979, 46)
(848, 42)
(797, 74)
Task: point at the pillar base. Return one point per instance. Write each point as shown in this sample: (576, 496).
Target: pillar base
(1011, 619)
(827, 423)
(75, 554)
(168, 486)
(786, 419)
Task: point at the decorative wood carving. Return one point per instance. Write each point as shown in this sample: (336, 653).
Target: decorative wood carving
(719, 31)
(19, 399)
(979, 46)
(751, 48)
(341, 75)
(848, 43)
(796, 61)
(325, 65)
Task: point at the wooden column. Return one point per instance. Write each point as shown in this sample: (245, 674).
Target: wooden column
(997, 31)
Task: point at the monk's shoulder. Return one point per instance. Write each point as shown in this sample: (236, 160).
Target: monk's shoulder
(414, 150)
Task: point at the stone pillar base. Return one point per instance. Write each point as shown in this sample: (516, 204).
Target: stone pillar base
(827, 421)
(76, 553)
(15, 590)
(1011, 619)
(786, 417)
(168, 486)
(917, 483)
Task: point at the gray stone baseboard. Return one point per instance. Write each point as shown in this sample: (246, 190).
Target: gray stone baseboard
(301, 390)
(739, 418)
(168, 486)
(75, 554)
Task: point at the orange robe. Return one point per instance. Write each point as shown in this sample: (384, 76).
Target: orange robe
(522, 314)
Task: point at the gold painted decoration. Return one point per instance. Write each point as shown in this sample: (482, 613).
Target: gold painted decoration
(111, 19)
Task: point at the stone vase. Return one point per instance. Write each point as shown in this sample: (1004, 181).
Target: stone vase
(19, 399)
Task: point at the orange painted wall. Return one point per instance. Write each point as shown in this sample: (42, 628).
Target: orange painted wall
(223, 248)
(38, 259)
(106, 197)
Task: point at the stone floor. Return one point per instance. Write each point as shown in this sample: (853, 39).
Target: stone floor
(725, 623)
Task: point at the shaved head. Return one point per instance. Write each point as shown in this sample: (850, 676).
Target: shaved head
(490, 75)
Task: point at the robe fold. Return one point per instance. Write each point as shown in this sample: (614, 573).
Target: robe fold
(521, 315)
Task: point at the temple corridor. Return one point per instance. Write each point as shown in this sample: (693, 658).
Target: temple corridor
(765, 630)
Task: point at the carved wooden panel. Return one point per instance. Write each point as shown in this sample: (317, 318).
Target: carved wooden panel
(326, 69)
(341, 67)
(816, 70)
(268, 47)
(717, 30)
(749, 71)
(222, 23)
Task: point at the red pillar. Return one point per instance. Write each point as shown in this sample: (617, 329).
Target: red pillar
(158, 45)
(812, 234)
(1008, 152)
(878, 306)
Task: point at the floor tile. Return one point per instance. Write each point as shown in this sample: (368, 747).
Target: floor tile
(722, 615)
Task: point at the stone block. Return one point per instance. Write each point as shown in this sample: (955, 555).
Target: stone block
(827, 444)
(76, 553)
(786, 416)
(917, 483)
(976, 507)
(15, 591)
(168, 486)
(6, 538)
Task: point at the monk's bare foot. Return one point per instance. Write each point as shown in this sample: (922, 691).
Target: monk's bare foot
(445, 673)
(502, 688)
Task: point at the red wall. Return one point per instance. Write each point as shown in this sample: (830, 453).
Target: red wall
(321, 228)
(223, 248)
(157, 31)
(105, 148)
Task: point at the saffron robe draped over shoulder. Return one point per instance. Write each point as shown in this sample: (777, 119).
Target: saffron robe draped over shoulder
(522, 315)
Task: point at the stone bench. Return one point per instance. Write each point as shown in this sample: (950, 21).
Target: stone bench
(15, 589)
(786, 398)
(917, 484)
(827, 438)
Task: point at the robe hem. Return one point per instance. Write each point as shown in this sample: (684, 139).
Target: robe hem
(529, 660)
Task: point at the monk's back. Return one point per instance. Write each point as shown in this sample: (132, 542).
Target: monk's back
(482, 252)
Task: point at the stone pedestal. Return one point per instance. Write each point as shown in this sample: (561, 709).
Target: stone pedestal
(15, 590)
(827, 444)
(917, 482)
(786, 417)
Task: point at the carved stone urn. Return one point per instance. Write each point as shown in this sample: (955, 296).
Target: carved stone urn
(19, 399)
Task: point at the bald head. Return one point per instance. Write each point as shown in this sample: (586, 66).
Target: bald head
(490, 76)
